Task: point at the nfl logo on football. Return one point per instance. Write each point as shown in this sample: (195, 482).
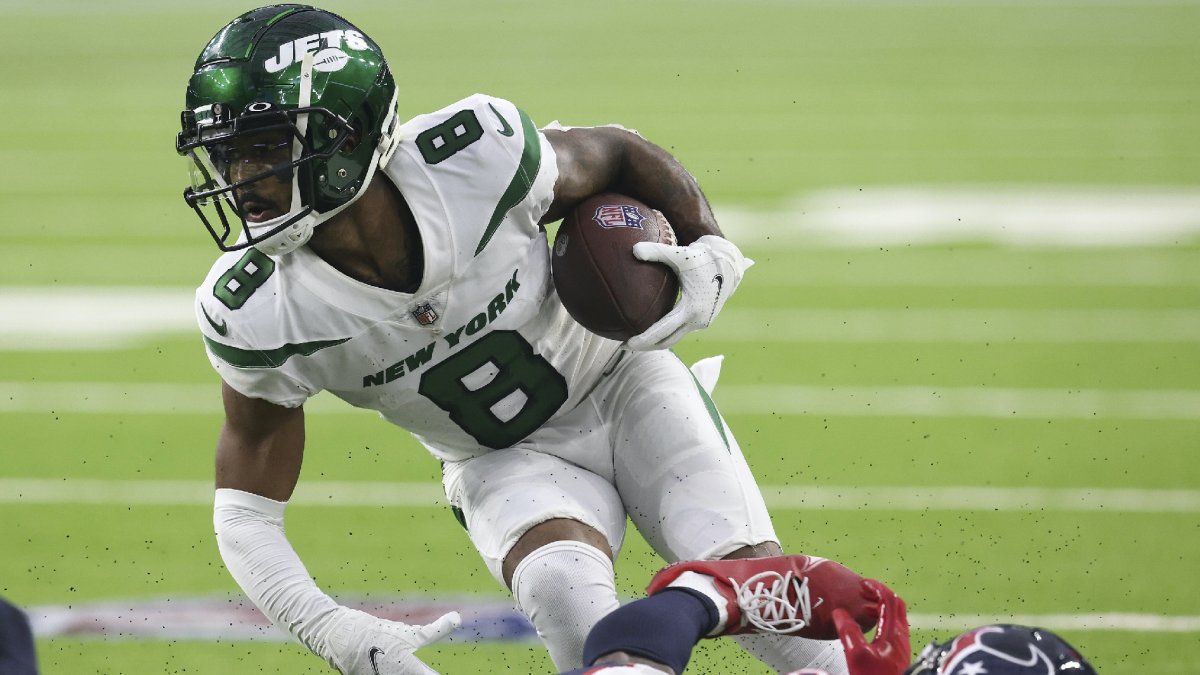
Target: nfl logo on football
(619, 215)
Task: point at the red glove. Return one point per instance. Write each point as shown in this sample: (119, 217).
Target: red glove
(770, 594)
(889, 652)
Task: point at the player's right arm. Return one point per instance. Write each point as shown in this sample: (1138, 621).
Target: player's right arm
(261, 446)
(259, 453)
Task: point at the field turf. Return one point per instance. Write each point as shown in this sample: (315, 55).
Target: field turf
(882, 370)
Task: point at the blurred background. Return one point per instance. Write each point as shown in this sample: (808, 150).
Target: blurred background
(966, 362)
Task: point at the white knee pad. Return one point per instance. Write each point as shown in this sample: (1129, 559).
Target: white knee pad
(564, 588)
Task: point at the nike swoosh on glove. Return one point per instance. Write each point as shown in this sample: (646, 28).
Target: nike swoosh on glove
(709, 270)
(367, 645)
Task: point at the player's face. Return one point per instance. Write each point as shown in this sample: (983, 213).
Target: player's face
(252, 155)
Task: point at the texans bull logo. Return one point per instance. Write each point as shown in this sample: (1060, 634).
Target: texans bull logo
(993, 651)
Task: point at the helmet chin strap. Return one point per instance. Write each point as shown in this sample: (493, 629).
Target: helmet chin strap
(389, 140)
(297, 233)
(306, 85)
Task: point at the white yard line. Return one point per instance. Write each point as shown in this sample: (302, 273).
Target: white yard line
(485, 618)
(214, 624)
(950, 402)
(64, 317)
(105, 318)
(67, 318)
(893, 215)
(328, 494)
(200, 492)
(732, 399)
(126, 398)
(1113, 621)
(958, 326)
(973, 268)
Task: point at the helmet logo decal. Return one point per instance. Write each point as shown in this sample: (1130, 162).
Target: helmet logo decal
(327, 60)
(330, 60)
(974, 652)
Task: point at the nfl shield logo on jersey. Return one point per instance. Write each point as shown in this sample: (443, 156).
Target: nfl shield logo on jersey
(619, 215)
(425, 314)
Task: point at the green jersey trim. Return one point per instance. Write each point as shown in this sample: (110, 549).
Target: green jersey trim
(270, 358)
(522, 180)
(712, 411)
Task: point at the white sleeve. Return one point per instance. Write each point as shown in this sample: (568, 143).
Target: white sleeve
(256, 551)
(270, 384)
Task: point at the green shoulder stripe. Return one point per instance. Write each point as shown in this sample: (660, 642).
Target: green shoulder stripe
(712, 411)
(522, 181)
(271, 358)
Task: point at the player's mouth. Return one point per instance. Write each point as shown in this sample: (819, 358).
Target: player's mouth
(257, 210)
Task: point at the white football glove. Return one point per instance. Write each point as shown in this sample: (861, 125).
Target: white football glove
(363, 644)
(709, 269)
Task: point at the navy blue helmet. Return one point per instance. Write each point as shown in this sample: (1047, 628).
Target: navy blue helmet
(1001, 649)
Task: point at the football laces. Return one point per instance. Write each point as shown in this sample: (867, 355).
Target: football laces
(774, 602)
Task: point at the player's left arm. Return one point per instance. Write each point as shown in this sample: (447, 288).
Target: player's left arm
(592, 160)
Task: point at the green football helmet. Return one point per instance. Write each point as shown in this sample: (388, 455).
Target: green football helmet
(279, 76)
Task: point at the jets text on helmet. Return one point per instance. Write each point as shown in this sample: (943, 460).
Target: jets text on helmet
(292, 52)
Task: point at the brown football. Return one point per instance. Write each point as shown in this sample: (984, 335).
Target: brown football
(602, 285)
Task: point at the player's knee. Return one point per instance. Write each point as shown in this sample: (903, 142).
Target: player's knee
(550, 532)
(564, 588)
(764, 549)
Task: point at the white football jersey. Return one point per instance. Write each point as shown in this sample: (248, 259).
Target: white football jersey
(480, 356)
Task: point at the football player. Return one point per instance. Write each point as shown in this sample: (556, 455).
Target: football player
(656, 634)
(404, 268)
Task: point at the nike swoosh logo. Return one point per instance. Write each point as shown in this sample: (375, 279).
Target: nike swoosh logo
(221, 328)
(720, 282)
(374, 653)
(507, 130)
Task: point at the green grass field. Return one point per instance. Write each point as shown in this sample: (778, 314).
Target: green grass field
(934, 386)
